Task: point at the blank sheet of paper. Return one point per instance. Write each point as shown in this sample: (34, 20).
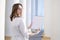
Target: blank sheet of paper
(37, 22)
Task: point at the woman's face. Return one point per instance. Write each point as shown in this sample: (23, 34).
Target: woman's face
(19, 11)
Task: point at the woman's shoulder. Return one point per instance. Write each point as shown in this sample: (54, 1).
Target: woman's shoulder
(17, 20)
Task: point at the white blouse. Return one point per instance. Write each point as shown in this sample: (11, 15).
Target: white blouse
(18, 29)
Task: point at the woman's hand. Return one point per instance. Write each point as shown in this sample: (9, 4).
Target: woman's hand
(30, 26)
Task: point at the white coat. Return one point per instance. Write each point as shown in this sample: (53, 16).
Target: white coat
(18, 29)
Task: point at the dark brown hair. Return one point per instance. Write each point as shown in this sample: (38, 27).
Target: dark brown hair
(14, 10)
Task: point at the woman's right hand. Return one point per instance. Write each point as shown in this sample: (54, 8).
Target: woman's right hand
(30, 26)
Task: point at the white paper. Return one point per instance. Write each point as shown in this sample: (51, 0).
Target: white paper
(37, 22)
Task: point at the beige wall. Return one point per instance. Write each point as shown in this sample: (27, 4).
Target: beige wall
(52, 18)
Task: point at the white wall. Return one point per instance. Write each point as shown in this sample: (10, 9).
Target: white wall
(2, 19)
(52, 19)
(28, 12)
(7, 15)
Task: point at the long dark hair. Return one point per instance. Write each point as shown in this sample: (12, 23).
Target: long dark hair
(14, 10)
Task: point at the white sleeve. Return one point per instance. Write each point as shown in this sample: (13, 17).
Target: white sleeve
(22, 29)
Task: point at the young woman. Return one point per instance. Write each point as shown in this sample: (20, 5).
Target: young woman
(18, 28)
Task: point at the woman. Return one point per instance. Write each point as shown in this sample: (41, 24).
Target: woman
(18, 29)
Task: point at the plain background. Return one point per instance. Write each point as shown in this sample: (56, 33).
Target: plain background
(2, 19)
